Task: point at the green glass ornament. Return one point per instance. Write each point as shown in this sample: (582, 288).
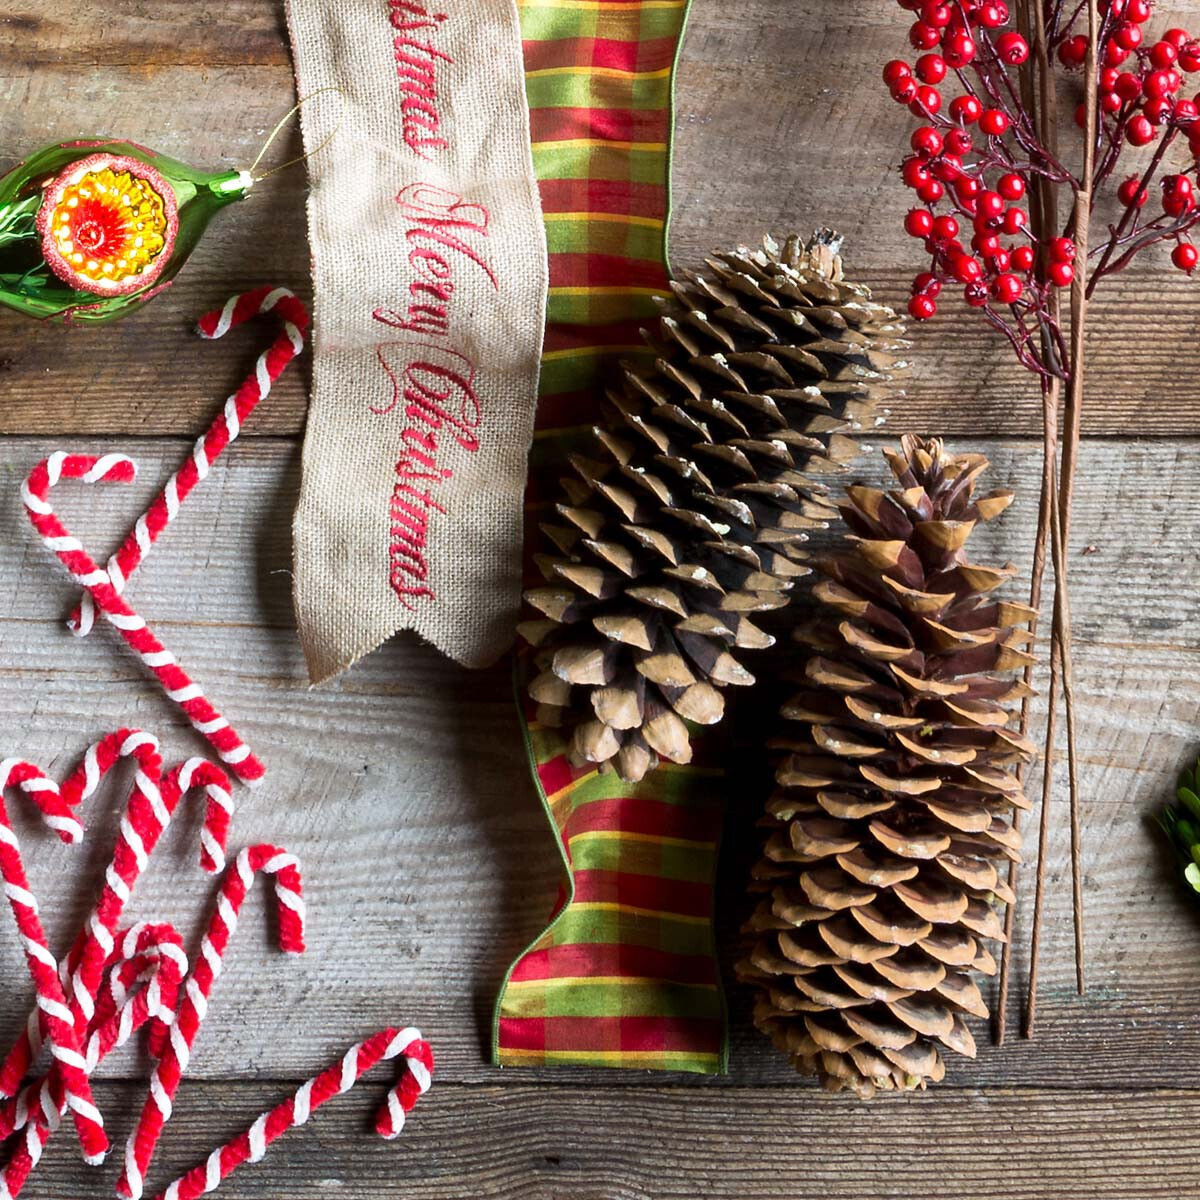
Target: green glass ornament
(91, 229)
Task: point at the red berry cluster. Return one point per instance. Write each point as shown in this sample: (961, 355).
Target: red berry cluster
(956, 155)
(976, 153)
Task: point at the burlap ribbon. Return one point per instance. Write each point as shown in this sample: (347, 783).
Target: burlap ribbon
(430, 278)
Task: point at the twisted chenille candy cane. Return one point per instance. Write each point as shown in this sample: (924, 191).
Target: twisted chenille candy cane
(152, 954)
(95, 942)
(416, 1073)
(56, 1017)
(224, 430)
(235, 885)
(116, 468)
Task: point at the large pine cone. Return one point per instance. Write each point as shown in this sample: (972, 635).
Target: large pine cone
(891, 831)
(694, 514)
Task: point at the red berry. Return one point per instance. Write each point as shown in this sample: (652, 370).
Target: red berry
(1073, 51)
(1127, 35)
(923, 36)
(1131, 191)
(958, 49)
(976, 294)
(926, 284)
(1163, 54)
(931, 191)
(993, 122)
(1189, 55)
(958, 141)
(965, 109)
(1186, 111)
(1011, 186)
(945, 227)
(966, 188)
(926, 141)
(1012, 48)
(1139, 132)
(895, 71)
(1160, 83)
(985, 244)
(905, 91)
(1158, 112)
(914, 172)
(991, 205)
(1177, 195)
(1001, 259)
(931, 68)
(965, 269)
(1061, 273)
(1015, 220)
(1114, 55)
(921, 308)
(1138, 10)
(947, 168)
(1062, 249)
(1185, 256)
(992, 15)
(918, 222)
(1177, 37)
(1128, 86)
(936, 14)
(1023, 258)
(1110, 102)
(1007, 289)
(927, 101)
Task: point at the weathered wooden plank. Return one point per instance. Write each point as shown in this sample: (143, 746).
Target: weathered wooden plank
(1133, 542)
(622, 1143)
(814, 69)
(402, 785)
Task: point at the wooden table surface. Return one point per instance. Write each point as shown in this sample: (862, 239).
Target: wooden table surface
(403, 787)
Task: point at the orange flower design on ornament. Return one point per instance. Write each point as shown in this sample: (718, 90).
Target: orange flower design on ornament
(108, 224)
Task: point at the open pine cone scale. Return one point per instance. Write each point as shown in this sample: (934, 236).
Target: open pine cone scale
(692, 516)
(890, 832)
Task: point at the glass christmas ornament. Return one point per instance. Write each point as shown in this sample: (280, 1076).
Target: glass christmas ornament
(90, 229)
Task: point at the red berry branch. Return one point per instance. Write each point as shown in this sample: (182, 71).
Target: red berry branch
(988, 180)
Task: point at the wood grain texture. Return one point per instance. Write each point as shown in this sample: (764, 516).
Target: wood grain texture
(517, 1142)
(403, 786)
(814, 67)
(403, 789)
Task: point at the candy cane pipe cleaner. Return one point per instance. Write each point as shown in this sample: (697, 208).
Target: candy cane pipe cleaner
(115, 468)
(200, 775)
(150, 953)
(416, 1073)
(164, 1084)
(143, 822)
(56, 1017)
(224, 430)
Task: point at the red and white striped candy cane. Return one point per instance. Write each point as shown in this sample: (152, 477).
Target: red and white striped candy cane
(224, 430)
(416, 1073)
(56, 1017)
(116, 468)
(149, 811)
(149, 953)
(235, 884)
(200, 775)
(141, 826)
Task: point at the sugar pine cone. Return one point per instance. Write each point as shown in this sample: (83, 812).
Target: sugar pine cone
(890, 833)
(692, 515)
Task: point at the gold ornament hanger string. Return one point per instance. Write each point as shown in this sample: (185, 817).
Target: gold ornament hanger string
(279, 125)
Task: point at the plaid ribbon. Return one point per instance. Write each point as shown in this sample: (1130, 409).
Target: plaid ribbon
(626, 973)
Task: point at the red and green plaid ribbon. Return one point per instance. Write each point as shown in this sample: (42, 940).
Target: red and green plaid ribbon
(626, 974)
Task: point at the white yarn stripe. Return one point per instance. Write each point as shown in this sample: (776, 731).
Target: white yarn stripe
(233, 757)
(130, 623)
(212, 1171)
(302, 1104)
(134, 840)
(119, 887)
(213, 726)
(104, 465)
(233, 424)
(183, 694)
(21, 896)
(349, 1069)
(257, 1137)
